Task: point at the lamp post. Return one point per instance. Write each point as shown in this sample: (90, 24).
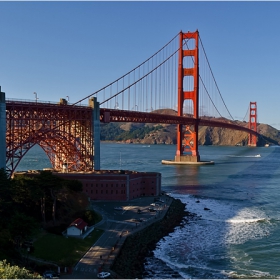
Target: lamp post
(27, 254)
(35, 96)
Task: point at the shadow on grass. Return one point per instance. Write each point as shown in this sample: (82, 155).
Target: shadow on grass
(62, 250)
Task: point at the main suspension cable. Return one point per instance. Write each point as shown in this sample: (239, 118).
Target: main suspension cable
(214, 78)
(127, 72)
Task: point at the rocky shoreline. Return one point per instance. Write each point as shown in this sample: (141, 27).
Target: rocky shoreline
(129, 263)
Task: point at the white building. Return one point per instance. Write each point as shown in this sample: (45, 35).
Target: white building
(77, 228)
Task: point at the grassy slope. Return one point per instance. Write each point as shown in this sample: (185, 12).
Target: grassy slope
(61, 250)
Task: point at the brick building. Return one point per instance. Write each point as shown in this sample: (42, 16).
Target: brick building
(118, 185)
(115, 185)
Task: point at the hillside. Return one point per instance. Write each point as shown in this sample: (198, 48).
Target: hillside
(149, 134)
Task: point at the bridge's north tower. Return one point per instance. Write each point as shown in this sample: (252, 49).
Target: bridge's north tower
(187, 136)
(253, 124)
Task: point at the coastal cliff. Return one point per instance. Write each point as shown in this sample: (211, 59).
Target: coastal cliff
(149, 134)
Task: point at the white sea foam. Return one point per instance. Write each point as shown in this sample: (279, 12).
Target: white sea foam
(251, 156)
(210, 238)
(245, 226)
(246, 220)
(256, 274)
(218, 211)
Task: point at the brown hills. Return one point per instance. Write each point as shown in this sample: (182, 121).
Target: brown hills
(166, 133)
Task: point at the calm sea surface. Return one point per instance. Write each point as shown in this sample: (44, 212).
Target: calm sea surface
(239, 237)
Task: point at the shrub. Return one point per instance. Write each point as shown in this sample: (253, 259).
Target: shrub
(8, 271)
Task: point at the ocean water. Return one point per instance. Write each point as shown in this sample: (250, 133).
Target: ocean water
(238, 237)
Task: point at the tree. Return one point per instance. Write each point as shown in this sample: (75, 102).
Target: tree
(27, 195)
(7, 247)
(74, 185)
(50, 185)
(5, 181)
(8, 271)
(22, 227)
(5, 196)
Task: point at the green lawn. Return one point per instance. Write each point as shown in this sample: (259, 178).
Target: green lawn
(61, 250)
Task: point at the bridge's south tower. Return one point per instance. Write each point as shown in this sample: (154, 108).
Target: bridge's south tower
(187, 136)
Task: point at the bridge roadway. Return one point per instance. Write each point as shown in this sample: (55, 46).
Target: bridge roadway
(114, 115)
(111, 115)
(115, 224)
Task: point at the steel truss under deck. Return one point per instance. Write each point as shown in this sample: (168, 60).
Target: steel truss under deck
(63, 131)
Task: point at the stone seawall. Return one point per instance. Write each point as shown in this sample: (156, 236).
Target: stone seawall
(129, 263)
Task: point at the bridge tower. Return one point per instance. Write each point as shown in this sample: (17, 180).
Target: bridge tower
(187, 137)
(253, 124)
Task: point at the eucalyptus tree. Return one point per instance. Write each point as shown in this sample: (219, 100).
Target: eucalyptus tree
(22, 228)
(50, 186)
(6, 203)
(27, 195)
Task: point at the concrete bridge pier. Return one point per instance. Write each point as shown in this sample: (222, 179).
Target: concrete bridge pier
(187, 160)
(2, 130)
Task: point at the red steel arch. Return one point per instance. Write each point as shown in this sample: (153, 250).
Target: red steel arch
(63, 131)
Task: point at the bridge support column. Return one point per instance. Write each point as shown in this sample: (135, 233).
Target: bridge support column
(253, 124)
(187, 140)
(96, 131)
(187, 136)
(2, 130)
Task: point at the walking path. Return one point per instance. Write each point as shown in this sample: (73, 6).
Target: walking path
(117, 225)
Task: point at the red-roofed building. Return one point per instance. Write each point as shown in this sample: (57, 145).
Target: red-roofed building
(77, 228)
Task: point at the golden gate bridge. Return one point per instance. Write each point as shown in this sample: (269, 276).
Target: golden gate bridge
(176, 85)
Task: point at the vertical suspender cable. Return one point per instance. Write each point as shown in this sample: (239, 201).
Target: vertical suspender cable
(147, 86)
(151, 86)
(134, 101)
(128, 97)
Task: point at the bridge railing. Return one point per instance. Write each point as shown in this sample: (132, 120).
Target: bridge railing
(29, 101)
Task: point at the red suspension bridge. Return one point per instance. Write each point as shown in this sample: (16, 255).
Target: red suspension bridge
(178, 77)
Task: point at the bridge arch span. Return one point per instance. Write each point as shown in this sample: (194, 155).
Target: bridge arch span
(63, 131)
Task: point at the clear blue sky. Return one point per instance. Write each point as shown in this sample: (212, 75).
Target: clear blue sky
(60, 49)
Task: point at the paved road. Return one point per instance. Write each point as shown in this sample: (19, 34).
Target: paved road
(117, 225)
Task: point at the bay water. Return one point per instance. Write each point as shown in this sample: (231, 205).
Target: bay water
(236, 231)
